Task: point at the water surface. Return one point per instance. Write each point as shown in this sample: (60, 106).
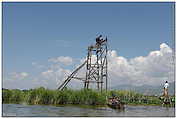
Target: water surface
(45, 110)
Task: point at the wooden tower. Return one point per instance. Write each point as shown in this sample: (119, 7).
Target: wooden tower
(96, 67)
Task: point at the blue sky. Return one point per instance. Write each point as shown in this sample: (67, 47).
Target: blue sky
(35, 32)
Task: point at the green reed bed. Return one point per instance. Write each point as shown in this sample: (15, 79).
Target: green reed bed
(68, 96)
(46, 96)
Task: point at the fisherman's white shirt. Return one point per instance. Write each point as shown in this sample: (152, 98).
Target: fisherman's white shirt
(166, 85)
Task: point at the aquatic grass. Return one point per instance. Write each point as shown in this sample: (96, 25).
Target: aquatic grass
(81, 97)
(12, 96)
(6, 96)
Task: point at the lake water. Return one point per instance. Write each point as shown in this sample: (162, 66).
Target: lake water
(43, 110)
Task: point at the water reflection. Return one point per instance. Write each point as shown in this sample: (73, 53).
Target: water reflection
(43, 110)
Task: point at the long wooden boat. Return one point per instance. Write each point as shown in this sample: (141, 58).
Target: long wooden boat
(115, 103)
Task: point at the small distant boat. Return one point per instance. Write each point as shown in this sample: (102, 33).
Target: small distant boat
(115, 103)
(165, 100)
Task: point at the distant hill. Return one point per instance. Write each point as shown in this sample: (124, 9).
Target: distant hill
(147, 89)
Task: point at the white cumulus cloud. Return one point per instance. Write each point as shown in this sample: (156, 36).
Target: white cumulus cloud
(153, 69)
(62, 59)
(18, 75)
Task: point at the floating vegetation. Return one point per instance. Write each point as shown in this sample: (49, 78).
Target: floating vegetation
(68, 96)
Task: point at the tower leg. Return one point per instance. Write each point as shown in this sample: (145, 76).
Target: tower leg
(87, 85)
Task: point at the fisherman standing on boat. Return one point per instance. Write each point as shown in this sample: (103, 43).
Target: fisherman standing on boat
(166, 85)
